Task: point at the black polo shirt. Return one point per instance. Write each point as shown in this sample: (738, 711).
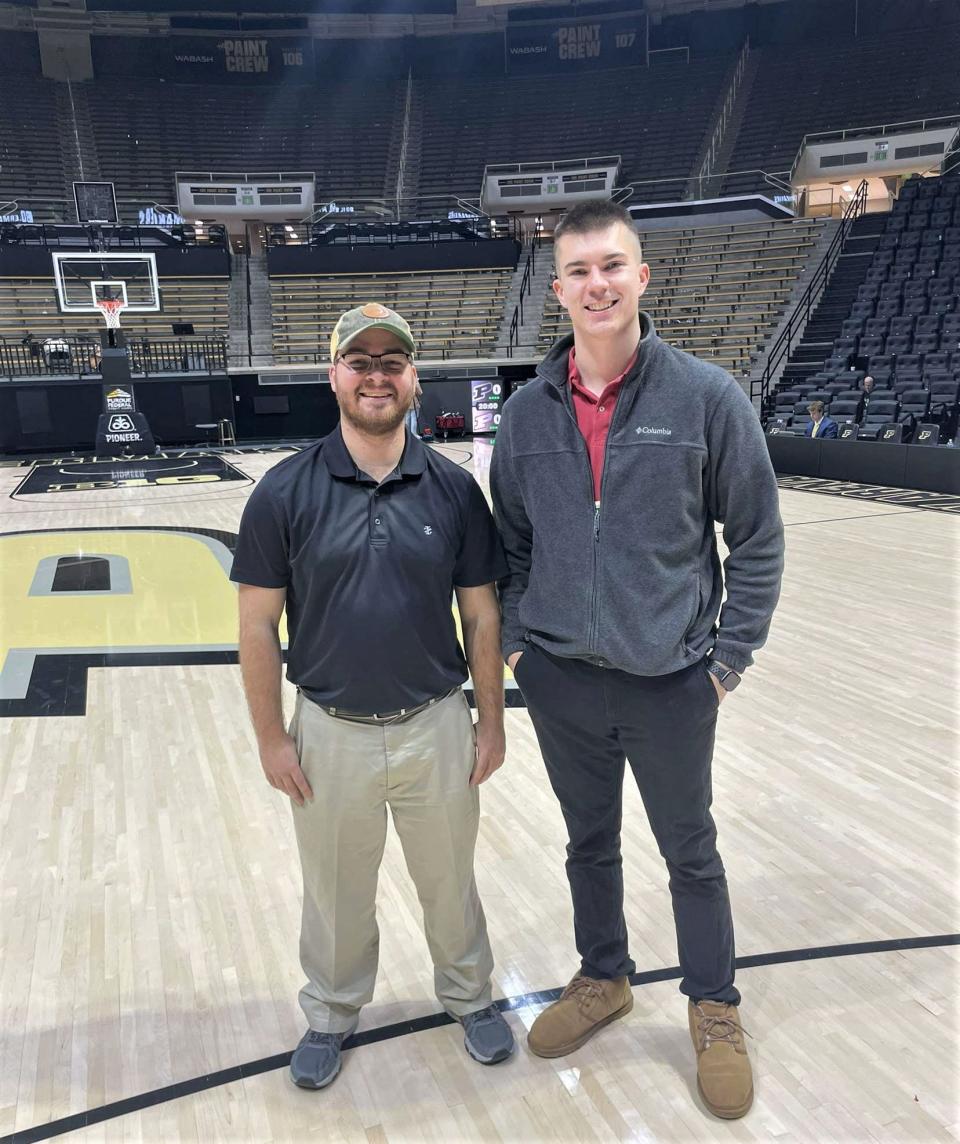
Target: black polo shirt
(369, 571)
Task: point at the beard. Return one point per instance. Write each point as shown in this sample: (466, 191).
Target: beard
(374, 422)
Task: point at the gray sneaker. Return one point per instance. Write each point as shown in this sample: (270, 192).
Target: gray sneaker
(316, 1060)
(486, 1036)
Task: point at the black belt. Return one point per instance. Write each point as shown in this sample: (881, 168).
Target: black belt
(378, 720)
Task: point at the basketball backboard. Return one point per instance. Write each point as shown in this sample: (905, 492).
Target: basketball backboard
(96, 202)
(85, 279)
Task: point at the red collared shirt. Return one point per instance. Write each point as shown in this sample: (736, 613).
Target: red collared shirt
(594, 414)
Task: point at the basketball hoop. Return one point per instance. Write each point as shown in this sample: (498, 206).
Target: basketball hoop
(110, 308)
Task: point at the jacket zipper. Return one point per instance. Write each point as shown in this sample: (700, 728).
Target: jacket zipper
(595, 590)
(592, 631)
(595, 606)
(596, 517)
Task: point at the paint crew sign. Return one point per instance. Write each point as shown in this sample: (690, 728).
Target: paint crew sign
(576, 45)
(247, 59)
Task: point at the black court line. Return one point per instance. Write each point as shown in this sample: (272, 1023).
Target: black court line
(877, 494)
(467, 457)
(436, 1021)
(844, 519)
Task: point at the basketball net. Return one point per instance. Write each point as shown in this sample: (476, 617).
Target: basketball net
(110, 308)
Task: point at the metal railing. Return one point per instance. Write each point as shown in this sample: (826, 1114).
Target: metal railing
(780, 350)
(112, 236)
(720, 130)
(871, 130)
(408, 207)
(404, 142)
(349, 230)
(684, 189)
(526, 287)
(320, 357)
(78, 356)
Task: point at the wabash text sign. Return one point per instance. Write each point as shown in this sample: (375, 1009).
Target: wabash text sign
(576, 45)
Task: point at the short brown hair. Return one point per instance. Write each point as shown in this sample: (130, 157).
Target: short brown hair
(815, 407)
(596, 214)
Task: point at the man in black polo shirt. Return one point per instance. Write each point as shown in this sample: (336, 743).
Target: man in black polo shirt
(363, 538)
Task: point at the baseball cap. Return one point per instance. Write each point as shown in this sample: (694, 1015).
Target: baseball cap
(372, 316)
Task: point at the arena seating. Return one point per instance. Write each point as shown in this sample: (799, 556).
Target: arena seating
(32, 164)
(452, 313)
(904, 328)
(656, 118)
(146, 132)
(838, 83)
(30, 305)
(717, 292)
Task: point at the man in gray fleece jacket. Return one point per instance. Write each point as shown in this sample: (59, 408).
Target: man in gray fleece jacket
(611, 468)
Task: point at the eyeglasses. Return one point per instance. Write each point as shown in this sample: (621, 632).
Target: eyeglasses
(392, 363)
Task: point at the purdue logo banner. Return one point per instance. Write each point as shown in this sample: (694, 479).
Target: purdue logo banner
(586, 44)
(113, 598)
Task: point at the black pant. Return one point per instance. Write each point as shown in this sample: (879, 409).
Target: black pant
(588, 721)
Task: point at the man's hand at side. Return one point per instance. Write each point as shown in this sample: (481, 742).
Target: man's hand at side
(491, 749)
(281, 765)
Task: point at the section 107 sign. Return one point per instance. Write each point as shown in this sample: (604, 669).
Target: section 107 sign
(585, 44)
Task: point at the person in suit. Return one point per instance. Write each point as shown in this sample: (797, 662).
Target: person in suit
(820, 425)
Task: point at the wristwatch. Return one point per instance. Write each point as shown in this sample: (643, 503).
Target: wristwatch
(729, 679)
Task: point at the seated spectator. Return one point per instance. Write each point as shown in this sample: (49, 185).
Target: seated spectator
(868, 384)
(820, 426)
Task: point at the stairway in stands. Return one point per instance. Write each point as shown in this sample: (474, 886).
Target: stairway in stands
(816, 344)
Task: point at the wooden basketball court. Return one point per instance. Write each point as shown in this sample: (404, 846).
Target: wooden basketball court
(150, 890)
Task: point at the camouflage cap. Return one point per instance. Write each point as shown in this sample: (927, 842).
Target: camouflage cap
(372, 316)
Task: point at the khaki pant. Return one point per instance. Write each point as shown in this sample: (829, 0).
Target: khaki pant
(420, 769)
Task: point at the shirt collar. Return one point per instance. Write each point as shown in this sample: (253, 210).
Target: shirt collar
(576, 381)
(413, 461)
(555, 366)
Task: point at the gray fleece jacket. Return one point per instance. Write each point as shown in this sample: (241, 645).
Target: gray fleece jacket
(635, 583)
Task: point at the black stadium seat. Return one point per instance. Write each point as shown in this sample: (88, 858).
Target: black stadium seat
(880, 411)
(914, 405)
(846, 407)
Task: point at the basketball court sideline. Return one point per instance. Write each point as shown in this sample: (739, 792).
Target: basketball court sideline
(150, 885)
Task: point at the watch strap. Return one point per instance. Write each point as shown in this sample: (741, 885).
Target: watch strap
(727, 677)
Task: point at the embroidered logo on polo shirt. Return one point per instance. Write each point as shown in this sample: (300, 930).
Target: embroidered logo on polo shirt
(653, 430)
(427, 530)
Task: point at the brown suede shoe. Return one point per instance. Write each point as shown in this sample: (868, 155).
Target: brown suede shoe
(724, 1077)
(585, 1006)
